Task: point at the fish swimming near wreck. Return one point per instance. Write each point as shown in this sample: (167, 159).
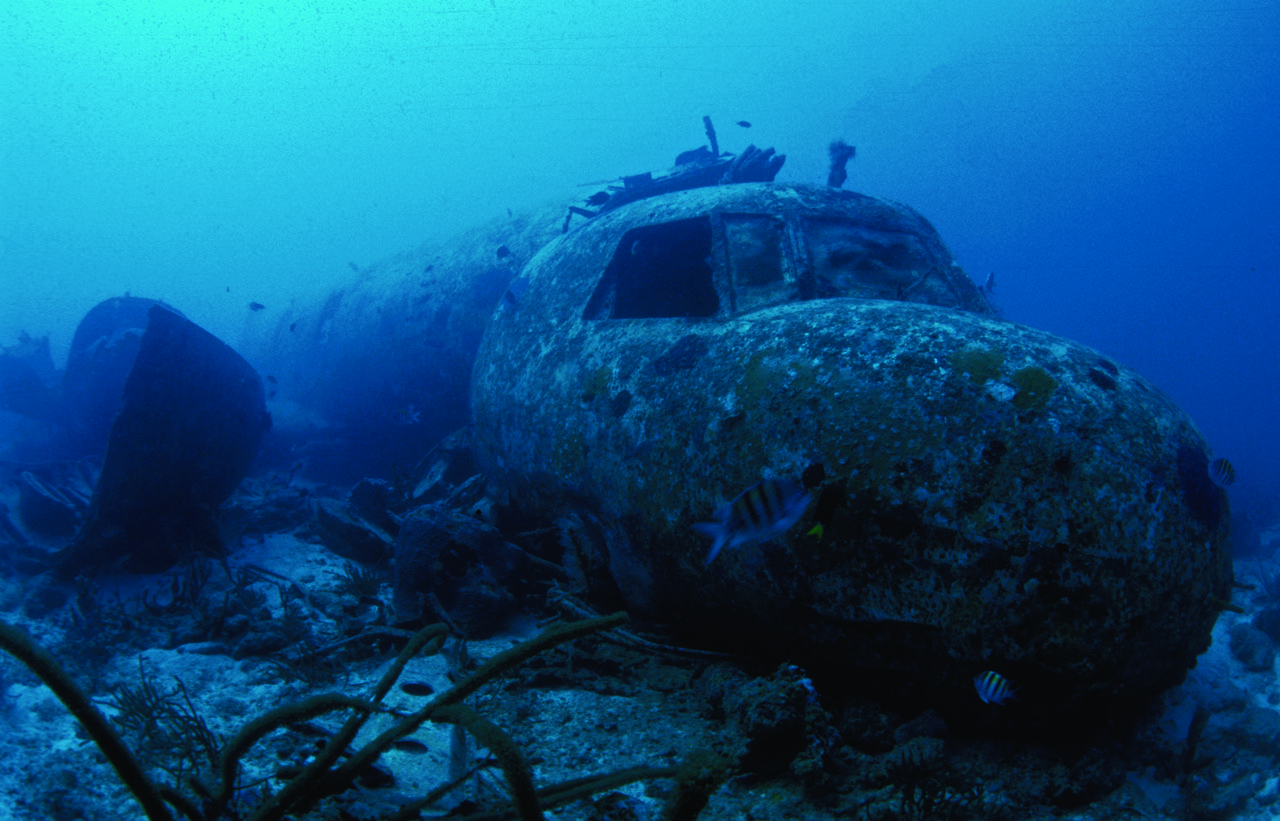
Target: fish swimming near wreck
(992, 687)
(764, 511)
(1222, 473)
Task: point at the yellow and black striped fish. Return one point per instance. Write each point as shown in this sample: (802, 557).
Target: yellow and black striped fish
(763, 511)
(992, 687)
(1222, 472)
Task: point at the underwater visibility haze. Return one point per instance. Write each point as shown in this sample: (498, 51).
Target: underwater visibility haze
(908, 373)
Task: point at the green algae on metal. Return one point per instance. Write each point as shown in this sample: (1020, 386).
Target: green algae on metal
(981, 365)
(597, 383)
(1035, 386)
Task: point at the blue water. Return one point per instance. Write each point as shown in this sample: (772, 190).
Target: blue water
(1114, 163)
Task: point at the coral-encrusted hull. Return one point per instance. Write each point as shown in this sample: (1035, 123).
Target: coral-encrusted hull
(993, 497)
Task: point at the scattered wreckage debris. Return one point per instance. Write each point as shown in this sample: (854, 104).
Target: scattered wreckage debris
(696, 168)
(191, 417)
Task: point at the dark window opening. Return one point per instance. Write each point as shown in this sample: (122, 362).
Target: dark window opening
(658, 271)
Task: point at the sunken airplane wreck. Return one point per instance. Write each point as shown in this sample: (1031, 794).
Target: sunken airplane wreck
(991, 497)
(985, 497)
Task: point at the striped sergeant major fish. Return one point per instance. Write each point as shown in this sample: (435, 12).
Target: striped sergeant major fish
(762, 512)
(992, 687)
(1222, 473)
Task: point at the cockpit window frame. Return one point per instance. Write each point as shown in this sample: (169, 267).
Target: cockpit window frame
(640, 256)
(793, 234)
(788, 281)
(603, 302)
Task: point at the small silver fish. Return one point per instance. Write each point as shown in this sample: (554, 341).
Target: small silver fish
(992, 687)
(416, 688)
(763, 511)
(409, 745)
(407, 415)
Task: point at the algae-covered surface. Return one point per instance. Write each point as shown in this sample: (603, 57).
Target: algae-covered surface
(990, 496)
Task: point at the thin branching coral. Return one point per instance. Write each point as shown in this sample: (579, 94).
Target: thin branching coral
(18, 644)
(164, 726)
(328, 773)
